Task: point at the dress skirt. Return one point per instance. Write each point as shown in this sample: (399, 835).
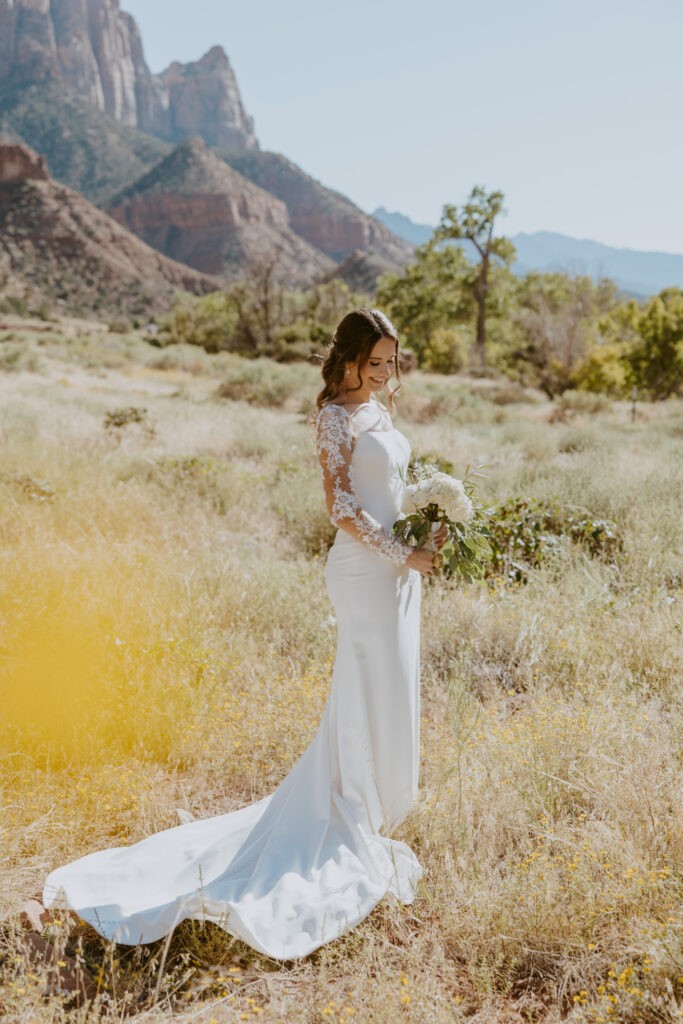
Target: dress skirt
(311, 860)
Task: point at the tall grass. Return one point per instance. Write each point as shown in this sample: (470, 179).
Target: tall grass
(166, 645)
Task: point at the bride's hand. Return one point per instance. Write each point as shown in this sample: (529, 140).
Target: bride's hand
(422, 560)
(441, 536)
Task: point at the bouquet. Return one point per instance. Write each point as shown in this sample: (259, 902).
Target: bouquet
(432, 497)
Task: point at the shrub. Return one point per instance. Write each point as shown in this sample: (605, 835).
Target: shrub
(656, 360)
(116, 419)
(35, 490)
(209, 321)
(525, 530)
(298, 341)
(461, 406)
(602, 370)
(581, 401)
(15, 304)
(511, 394)
(119, 325)
(447, 351)
(17, 357)
(264, 382)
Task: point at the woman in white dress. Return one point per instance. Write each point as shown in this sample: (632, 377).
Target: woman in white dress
(306, 863)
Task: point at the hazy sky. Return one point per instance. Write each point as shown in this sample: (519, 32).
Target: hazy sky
(574, 110)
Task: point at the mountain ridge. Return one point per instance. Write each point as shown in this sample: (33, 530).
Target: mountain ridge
(637, 272)
(327, 219)
(75, 86)
(195, 208)
(57, 246)
(96, 49)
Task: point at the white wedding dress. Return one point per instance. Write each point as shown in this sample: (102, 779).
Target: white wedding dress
(306, 863)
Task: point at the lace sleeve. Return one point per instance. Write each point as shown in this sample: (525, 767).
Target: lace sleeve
(334, 442)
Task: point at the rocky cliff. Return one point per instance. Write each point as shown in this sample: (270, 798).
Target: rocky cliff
(195, 208)
(326, 219)
(19, 163)
(86, 148)
(56, 246)
(96, 49)
(74, 84)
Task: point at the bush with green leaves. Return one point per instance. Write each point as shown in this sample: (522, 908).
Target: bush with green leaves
(523, 531)
(299, 341)
(115, 419)
(602, 371)
(265, 382)
(642, 345)
(655, 361)
(209, 321)
(447, 351)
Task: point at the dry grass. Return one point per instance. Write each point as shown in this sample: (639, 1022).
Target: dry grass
(165, 645)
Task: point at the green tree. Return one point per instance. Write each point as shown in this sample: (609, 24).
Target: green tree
(552, 323)
(428, 294)
(208, 320)
(655, 361)
(475, 221)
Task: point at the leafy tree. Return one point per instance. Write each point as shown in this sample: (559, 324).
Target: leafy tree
(447, 352)
(648, 341)
(262, 306)
(655, 361)
(209, 321)
(258, 316)
(475, 221)
(602, 371)
(552, 323)
(428, 294)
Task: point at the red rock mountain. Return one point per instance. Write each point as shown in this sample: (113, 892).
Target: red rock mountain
(74, 84)
(325, 218)
(56, 245)
(195, 208)
(96, 49)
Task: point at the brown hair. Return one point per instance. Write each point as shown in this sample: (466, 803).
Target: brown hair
(353, 341)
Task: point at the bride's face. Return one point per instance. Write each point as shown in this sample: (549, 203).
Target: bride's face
(380, 366)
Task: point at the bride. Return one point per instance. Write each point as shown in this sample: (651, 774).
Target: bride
(308, 862)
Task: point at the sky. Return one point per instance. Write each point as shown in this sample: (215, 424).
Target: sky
(573, 110)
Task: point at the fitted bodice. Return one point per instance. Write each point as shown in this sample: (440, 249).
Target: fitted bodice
(362, 458)
(378, 463)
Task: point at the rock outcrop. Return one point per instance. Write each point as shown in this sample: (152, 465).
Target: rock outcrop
(203, 99)
(326, 219)
(63, 249)
(96, 49)
(60, 55)
(86, 148)
(195, 208)
(19, 163)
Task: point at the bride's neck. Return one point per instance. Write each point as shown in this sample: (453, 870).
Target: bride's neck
(354, 398)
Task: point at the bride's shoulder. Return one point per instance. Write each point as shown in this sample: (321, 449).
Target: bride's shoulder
(334, 426)
(333, 409)
(332, 413)
(354, 418)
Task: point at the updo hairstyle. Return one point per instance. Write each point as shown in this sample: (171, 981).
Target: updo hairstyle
(352, 342)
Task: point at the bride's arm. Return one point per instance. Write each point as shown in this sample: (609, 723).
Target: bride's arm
(334, 442)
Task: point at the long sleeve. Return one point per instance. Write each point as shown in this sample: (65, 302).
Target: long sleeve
(334, 442)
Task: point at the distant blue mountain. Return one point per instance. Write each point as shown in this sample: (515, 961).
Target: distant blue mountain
(404, 227)
(637, 273)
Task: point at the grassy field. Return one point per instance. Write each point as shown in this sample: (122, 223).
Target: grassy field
(166, 646)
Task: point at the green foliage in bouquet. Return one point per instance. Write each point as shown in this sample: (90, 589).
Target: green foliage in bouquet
(467, 552)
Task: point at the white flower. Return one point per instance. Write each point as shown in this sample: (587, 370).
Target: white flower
(409, 505)
(436, 488)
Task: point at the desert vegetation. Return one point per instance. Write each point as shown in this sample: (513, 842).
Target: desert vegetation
(460, 308)
(166, 647)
